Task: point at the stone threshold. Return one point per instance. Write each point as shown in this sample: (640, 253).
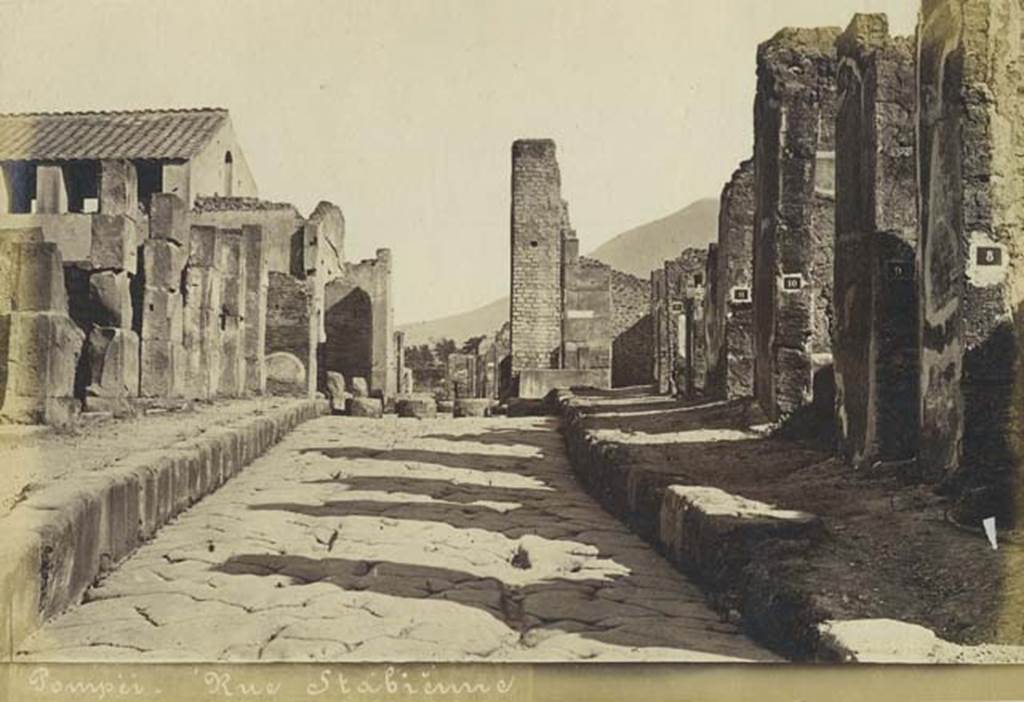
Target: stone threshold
(64, 536)
(714, 536)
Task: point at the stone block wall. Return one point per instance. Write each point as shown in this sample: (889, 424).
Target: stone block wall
(632, 350)
(971, 176)
(876, 308)
(587, 334)
(794, 119)
(659, 328)
(537, 221)
(203, 292)
(730, 298)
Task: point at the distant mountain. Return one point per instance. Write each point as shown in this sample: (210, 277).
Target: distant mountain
(483, 320)
(638, 251)
(642, 249)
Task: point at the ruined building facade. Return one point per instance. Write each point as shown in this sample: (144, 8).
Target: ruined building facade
(794, 124)
(568, 314)
(875, 344)
(163, 270)
(677, 320)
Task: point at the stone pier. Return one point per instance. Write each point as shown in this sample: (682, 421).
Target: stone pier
(794, 118)
(971, 178)
(730, 325)
(876, 344)
(164, 257)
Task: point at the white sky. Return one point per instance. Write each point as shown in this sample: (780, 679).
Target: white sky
(403, 113)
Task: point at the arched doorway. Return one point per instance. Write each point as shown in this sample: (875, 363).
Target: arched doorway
(348, 328)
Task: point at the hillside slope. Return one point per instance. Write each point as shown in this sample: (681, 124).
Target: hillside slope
(637, 251)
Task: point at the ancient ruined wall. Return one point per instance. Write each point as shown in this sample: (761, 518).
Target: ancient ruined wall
(357, 338)
(712, 384)
(632, 329)
(876, 345)
(537, 223)
(461, 376)
(730, 328)
(587, 315)
(291, 326)
(794, 117)
(659, 328)
(281, 223)
(685, 353)
(971, 180)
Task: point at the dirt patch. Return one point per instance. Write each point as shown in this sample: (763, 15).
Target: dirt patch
(889, 548)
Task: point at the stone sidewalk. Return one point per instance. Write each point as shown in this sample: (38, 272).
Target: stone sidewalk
(397, 539)
(33, 457)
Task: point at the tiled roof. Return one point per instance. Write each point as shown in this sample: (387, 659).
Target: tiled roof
(65, 136)
(237, 204)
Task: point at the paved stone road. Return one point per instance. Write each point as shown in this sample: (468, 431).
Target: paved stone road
(397, 539)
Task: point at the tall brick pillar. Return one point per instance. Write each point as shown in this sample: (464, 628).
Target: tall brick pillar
(537, 223)
(794, 118)
(971, 252)
(876, 342)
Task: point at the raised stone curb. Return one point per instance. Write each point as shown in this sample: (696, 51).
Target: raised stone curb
(59, 540)
(714, 537)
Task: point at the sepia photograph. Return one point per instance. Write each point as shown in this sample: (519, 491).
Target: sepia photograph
(511, 349)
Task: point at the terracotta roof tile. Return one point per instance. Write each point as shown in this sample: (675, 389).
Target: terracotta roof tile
(66, 136)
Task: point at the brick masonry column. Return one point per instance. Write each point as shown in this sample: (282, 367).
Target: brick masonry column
(537, 221)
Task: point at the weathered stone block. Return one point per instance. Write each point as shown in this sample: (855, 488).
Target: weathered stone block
(204, 247)
(286, 375)
(360, 388)
(232, 265)
(163, 263)
(41, 352)
(232, 366)
(162, 315)
(472, 407)
(416, 406)
(371, 407)
(114, 242)
(112, 357)
(169, 219)
(119, 188)
(31, 278)
(110, 299)
(161, 368)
